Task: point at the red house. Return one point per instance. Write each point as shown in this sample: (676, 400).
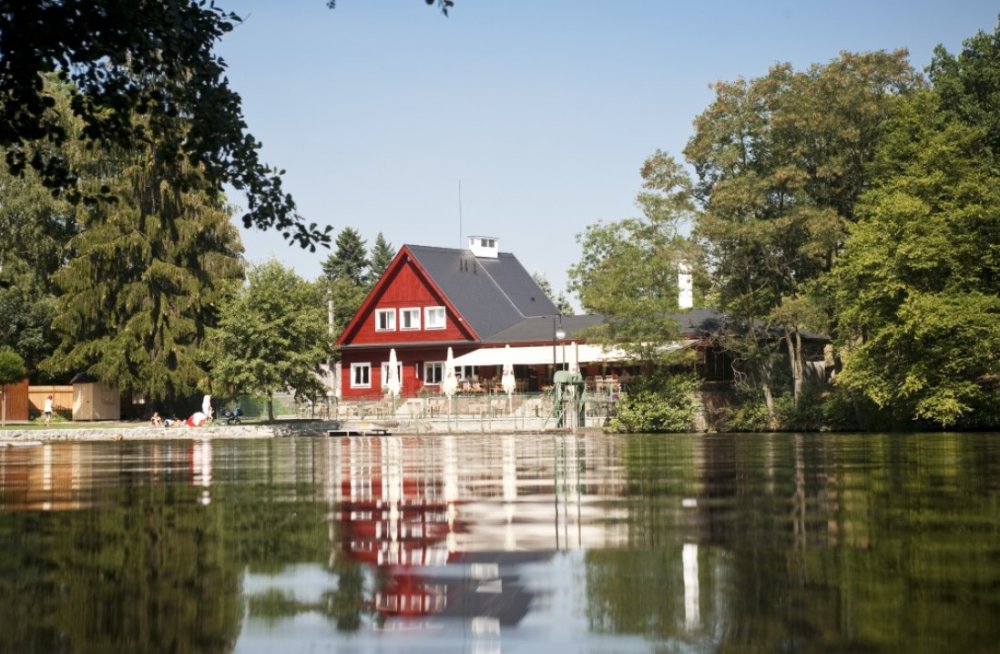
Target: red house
(432, 298)
(475, 302)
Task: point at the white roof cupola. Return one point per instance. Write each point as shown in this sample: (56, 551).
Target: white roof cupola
(485, 246)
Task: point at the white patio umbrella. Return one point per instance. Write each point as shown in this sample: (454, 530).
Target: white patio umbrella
(392, 385)
(450, 384)
(574, 358)
(507, 378)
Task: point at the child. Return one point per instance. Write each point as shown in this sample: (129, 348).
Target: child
(155, 420)
(47, 410)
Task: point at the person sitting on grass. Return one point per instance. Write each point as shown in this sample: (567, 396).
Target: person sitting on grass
(156, 421)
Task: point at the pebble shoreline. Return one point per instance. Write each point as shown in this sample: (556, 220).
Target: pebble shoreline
(310, 428)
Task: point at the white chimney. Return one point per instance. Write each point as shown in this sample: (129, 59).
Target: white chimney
(485, 246)
(685, 284)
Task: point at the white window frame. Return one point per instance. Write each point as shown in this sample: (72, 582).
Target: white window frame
(413, 312)
(390, 315)
(433, 365)
(466, 372)
(385, 373)
(355, 367)
(430, 324)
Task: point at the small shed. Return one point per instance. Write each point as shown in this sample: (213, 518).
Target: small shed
(94, 400)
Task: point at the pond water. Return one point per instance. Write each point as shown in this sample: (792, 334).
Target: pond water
(504, 543)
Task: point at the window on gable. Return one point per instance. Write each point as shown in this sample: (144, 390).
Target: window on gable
(385, 320)
(434, 318)
(361, 375)
(409, 318)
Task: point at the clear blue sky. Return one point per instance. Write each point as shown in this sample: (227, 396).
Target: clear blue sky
(543, 109)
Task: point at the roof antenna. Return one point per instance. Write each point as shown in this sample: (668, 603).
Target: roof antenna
(459, 214)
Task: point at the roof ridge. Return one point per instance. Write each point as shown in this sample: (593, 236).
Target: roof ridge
(503, 291)
(441, 248)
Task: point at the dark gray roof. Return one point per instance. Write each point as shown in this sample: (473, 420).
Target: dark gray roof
(707, 322)
(541, 330)
(695, 323)
(490, 294)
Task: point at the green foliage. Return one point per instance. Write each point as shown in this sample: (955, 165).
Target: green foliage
(350, 260)
(35, 227)
(561, 301)
(349, 273)
(135, 68)
(272, 337)
(381, 256)
(917, 287)
(660, 404)
(11, 367)
(148, 273)
(968, 84)
(628, 269)
(781, 162)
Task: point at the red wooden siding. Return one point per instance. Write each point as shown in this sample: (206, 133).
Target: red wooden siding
(404, 287)
(410, 358)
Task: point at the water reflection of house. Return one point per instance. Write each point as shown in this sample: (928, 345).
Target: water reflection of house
(406, 525)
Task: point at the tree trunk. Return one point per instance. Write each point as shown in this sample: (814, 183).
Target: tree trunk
(270, 407)
(772, 419)
(765, 387)
(794, 342)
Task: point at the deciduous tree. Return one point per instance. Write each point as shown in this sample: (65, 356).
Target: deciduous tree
(628, 270)
(918, 287)
(272, 337)
(135, 67)
(781, 162)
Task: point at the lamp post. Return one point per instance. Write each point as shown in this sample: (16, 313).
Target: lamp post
(331, 381)
(560, 335)
(553, 348)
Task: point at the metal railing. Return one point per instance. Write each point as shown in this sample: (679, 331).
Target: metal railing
(487, 412)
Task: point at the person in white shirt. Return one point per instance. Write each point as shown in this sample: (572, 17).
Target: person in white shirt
(47, 409)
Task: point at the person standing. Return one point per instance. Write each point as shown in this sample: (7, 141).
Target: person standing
(47, 410)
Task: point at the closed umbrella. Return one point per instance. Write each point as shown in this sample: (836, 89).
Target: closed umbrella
(507, 379)
(450, 383)
(392, 385)
(574, 358)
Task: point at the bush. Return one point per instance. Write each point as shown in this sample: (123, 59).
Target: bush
(751, 415)
(659, 404)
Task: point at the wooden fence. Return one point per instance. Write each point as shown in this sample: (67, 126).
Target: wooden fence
(17, 400)
(62, 400)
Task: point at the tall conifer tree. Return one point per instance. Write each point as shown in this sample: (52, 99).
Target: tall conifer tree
(147, 277)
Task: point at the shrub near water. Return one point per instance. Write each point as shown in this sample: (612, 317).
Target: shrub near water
(658, 404)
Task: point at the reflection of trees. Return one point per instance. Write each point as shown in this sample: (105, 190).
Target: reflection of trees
(149, 565)
(130, 574)
(808, 544)
(265, 532)
(346, 604)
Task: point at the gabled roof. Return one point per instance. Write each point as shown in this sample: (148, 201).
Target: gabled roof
(490, 294)
(540, 329)
(694, 323)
